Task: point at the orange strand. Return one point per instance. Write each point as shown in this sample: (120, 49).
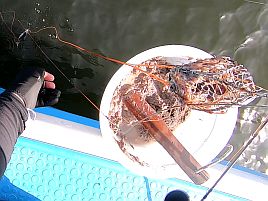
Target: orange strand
(82, 93)
(135, 66)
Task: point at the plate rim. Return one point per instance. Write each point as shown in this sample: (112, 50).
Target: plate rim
(167, 50)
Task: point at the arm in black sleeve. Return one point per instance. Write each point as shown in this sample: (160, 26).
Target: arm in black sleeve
(33, 87)
(13, 115)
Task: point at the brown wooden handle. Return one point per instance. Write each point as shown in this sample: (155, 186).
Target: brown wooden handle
(161, 133)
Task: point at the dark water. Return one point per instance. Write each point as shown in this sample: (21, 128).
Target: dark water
(121, 29)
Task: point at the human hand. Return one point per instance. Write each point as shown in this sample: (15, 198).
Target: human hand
(35, 87)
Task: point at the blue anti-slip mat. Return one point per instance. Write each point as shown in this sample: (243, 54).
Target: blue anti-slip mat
(52, 173)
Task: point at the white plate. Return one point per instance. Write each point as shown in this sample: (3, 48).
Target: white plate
(203, 135)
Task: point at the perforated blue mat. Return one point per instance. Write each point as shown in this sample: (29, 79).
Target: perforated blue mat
(51, 173)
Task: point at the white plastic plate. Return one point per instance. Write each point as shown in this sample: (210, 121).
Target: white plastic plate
(203, 135)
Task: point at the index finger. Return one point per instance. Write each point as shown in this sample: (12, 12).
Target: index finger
(49, 77)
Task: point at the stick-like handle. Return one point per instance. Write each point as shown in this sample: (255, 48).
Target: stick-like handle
(161, 133)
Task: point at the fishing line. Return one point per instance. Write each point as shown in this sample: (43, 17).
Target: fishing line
(137, 67)
(28, 32)
(63, 74)
(236, 156)
(13, 20)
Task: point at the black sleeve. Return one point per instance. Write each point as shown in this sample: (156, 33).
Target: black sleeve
(13, 115)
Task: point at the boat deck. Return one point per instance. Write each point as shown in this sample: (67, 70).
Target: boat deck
(52, 173)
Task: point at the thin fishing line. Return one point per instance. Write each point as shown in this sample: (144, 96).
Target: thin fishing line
(82, 49)
(13, 20)
(104, 57)
(218, 160)
(63, 74)
(237, 155)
